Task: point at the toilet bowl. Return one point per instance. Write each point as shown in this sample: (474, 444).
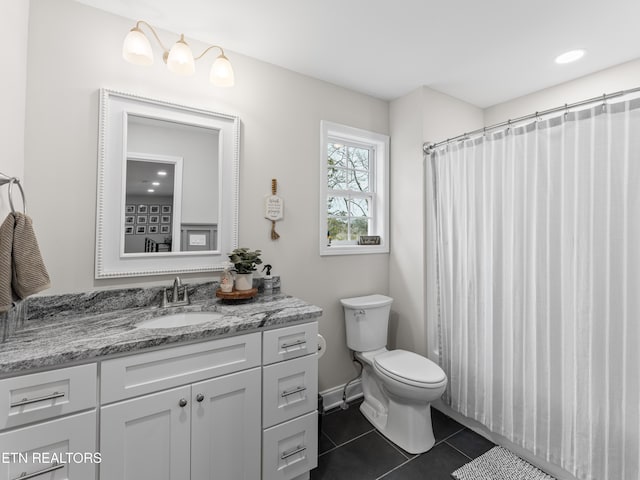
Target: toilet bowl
(398, 385)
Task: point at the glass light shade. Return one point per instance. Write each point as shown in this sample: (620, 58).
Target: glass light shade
(136, 48)
(180, 59)
(221, 73)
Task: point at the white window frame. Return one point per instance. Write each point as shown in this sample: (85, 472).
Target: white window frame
(379, 170)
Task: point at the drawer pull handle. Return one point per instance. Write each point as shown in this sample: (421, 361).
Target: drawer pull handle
(54, 466)
(293, 344)
(291, 392)
(295, 451)
(27, 401)
(199, 397)
(182, 402)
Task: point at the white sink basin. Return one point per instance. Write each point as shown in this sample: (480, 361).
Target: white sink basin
(183, 319)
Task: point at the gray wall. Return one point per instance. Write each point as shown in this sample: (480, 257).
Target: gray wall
(280, 113)
(13, 32)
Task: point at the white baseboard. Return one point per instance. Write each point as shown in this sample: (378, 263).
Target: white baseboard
(332, 397)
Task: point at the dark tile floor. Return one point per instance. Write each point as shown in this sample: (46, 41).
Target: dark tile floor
(351, 449)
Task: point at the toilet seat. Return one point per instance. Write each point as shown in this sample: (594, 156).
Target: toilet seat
(409, 368)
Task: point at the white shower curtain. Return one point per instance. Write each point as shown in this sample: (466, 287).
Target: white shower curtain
(538, 259)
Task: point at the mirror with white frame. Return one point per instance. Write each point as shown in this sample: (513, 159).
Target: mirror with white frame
(167, 187)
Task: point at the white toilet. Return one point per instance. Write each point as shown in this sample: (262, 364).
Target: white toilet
(398, 385)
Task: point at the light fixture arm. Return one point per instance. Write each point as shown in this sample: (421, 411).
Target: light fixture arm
(207, 49)
(165, 50)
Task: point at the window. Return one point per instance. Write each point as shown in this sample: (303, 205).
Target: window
(354, 190)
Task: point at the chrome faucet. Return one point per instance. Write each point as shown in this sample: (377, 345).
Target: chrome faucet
(175, 297)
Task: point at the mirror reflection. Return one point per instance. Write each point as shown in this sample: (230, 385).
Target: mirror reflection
(149, 206)
(160, 215)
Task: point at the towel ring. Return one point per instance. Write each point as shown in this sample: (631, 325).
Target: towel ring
(24, 202)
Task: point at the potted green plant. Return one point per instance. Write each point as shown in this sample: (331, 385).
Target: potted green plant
(244, 264)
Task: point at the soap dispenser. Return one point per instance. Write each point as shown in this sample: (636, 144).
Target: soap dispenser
(268, 280)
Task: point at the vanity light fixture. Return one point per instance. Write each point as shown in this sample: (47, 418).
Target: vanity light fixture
(137, 49)
(570, 56)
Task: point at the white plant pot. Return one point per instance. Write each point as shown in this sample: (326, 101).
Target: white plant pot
(244, 281)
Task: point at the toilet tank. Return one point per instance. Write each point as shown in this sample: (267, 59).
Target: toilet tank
(367, 321)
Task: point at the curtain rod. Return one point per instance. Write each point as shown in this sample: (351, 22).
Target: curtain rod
(429, 148)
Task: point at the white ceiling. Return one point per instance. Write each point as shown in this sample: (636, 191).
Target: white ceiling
(481, 51)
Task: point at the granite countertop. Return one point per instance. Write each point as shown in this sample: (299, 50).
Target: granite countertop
(73, 336)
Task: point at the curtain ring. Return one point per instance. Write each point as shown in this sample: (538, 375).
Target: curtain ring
(24, 202)
(566, 111)
(604, 102)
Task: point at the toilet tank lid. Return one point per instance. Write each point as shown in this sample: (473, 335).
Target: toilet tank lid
(368, 301)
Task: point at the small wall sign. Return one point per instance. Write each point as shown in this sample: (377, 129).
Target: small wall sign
(273, 208)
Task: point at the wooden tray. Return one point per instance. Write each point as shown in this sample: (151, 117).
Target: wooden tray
(237, 294)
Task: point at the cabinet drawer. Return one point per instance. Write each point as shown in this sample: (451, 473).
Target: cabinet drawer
(290, 342)
(42, 396)
(290, 449)
(153, 371)
(55, 450)
(290, 389)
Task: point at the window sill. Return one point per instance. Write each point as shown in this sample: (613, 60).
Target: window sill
(353, 249)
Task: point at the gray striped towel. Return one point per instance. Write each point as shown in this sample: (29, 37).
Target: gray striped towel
(22, 271)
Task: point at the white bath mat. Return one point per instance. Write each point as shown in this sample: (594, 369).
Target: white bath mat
(499, 464)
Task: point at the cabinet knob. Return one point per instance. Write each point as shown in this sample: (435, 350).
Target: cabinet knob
(199, 397)
(182, 402)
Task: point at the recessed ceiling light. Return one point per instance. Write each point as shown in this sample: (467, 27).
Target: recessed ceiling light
(570, 56)
(150, 190)
(162, 173)
(155, 184)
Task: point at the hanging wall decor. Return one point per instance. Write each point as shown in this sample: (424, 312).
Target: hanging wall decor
(273, 208)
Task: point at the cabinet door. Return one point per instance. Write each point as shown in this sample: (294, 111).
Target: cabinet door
(225, 432)
(63, 449)
(147, 438)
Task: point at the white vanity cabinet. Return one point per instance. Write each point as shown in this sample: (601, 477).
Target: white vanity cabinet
(205, 429)
(289, 400)
(42, 432)
(234, 408)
